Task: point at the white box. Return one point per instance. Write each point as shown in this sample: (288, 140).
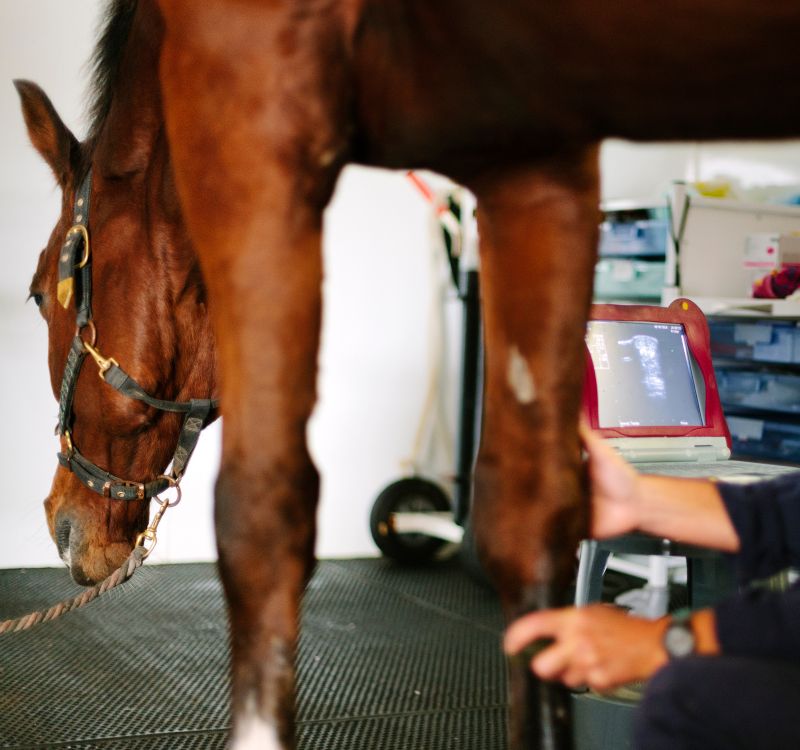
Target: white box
(709, 256)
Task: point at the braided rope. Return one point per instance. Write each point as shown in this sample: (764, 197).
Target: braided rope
(119, 576)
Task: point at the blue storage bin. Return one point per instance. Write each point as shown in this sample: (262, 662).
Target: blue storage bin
(626, 279)
(760, 341)
(642, 238)
(765, 391)
(764, 438)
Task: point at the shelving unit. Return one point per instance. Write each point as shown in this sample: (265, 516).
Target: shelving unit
(632, 252)
(757, 362)
(755, 342)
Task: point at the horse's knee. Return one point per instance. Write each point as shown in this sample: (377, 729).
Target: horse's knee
(266, 512)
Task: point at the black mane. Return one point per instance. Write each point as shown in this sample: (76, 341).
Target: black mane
(106, 59)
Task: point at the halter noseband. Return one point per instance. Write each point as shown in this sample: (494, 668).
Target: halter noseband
(75, 280)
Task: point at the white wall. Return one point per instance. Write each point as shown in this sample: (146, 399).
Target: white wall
(46, 42)
(378, 289)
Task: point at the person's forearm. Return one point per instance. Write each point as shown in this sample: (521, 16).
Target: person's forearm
(686, 510)
(601, 646)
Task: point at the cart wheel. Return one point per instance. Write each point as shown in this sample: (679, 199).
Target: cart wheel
(412, 495)
(468, 555)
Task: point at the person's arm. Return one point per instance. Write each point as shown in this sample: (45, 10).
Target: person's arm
(687, 510)
(603, 647)
(758, 522)
(600, 646)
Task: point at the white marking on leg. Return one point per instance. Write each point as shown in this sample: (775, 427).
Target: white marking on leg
(519, 377)
(252, 732)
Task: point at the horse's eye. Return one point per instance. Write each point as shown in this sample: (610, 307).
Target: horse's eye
(37, 298)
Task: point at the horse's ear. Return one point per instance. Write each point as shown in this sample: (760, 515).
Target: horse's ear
(49, 135)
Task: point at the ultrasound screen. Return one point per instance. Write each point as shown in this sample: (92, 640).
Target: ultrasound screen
(644, 374)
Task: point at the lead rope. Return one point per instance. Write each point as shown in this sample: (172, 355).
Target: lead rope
(145, 543)
(122, 574)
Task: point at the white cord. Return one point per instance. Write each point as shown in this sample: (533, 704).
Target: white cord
(434, 423)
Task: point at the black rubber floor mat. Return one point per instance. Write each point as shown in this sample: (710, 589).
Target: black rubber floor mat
(389, 658)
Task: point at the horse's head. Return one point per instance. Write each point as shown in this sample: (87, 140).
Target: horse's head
(147, 311)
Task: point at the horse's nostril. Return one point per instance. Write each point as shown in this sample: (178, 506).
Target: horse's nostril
(79, 576)
(63, 530)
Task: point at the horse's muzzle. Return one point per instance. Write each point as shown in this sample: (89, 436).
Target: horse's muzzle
(65, 543)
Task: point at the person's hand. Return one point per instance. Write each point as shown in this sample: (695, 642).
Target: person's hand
(599, 646)
(615, 488)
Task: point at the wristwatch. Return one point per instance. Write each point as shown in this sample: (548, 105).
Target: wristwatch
(679, 640)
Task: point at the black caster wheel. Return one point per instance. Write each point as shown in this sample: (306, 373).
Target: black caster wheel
(412, 495)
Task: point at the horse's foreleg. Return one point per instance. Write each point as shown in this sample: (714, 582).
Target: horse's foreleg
(267, 325)
(267, 315)
(266, 499)
(251, 119)
(538, 237)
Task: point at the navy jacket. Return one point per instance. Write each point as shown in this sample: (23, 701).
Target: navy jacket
(759, 622)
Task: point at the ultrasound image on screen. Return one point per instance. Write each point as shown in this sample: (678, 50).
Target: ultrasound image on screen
(644, 375)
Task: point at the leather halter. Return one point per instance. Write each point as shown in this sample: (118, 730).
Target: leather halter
(75, 280)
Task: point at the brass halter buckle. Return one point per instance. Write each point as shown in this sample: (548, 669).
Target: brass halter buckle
(68, 441)
(66, 285)
(120, 494)
(82, 230)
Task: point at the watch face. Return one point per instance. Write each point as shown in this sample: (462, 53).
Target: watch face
(679, 640)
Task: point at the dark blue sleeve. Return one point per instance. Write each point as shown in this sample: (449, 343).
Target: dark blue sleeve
(766, 516)
(761, 623)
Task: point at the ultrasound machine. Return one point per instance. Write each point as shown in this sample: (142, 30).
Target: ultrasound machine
(650, 391)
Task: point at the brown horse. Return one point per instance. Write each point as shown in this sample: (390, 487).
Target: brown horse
(264, 102)
(145, 289)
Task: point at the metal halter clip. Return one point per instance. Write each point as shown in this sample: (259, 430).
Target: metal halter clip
(147, 539)
(102, 362)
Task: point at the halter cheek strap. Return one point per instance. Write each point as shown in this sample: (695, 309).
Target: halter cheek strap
(75, 281)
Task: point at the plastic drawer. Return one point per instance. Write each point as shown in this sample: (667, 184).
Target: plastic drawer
(617, 278)
(760, 341)
(642, 238)
(764, 438)
(765, 391)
